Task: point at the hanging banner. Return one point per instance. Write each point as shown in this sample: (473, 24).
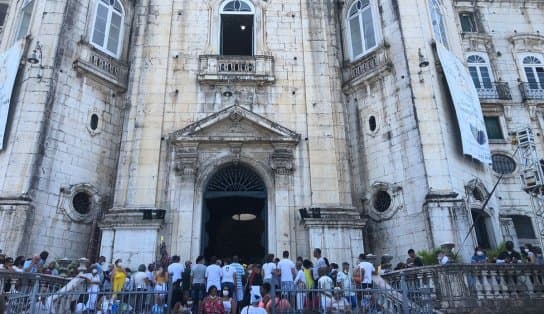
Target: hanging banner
(467, 106)
(9, 65)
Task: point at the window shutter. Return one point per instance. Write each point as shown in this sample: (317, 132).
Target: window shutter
(368, 27)
(474, 74)
(356, 39)
(100, 23)
(486, 78)
(115, 31)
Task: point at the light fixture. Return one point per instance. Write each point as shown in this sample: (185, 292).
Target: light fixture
(243, 27)
(36, 57)
(423, 62)
(244, 217)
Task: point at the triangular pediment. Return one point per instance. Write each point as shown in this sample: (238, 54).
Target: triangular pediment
(236, 124)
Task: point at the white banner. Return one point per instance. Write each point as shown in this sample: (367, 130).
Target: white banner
(467, 106)
(9, 65)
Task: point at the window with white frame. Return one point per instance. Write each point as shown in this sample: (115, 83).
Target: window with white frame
(107, 30)
(534, 71)
(361, 27)
(237, 23)
(26, 16)
(479, 70)
(439, 26)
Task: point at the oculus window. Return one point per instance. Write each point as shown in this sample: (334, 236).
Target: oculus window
(479, 70)
(534, 72)
(237, 23)
(362, 32)
(439, 26)
(503, 164)
(107, 30)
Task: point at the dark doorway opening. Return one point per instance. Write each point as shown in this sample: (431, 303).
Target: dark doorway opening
(237, 34)
(234, 215)
(480, 228)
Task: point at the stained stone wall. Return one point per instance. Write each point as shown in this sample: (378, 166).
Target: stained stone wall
(305, 86)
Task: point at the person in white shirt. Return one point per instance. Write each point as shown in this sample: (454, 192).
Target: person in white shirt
(93, 287)
(213, 274)
(320, 262)
(288, 272)
(366, 269)
(228, 277)
(141, 282)
(442, 258)
(253, 307)
(344, 280)
(268, 268)
(175, 269)
(325, 285)
(300, 284)
(338, 304)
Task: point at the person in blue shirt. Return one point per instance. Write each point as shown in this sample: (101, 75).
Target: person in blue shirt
(479, 256)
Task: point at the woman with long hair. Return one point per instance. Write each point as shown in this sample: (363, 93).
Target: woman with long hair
(212, 304)
(119, 277)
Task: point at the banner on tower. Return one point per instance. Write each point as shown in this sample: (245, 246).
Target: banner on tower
(9, 65)
(467, 106)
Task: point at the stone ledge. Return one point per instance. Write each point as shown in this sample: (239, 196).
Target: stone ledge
(129, 218)
(334, 218)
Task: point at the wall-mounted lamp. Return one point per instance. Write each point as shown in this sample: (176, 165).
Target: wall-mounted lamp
(36, 56)
(423, 62)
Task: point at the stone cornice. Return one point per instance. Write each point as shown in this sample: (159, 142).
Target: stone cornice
(129, 218)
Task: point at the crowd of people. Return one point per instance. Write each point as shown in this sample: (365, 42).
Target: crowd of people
(226, 286)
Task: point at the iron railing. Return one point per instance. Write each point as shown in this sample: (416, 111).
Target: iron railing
(532, 91)
(495, 90)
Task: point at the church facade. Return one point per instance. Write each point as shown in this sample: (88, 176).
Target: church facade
(224, 127)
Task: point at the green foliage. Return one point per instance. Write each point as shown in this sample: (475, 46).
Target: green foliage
(492, 254)
(428, 257)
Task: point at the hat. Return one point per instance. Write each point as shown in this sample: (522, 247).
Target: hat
(255, 298)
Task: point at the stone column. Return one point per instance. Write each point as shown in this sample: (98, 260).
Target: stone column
(281, 161)
(183, 211)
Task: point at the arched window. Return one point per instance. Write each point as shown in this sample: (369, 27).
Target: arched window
(439, 26)
(362, 33)
(107, 30)
(534, 72)
(479, 71)
(237, 28)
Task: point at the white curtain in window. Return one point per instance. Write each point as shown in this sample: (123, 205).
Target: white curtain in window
(361, 28)
(107, 28)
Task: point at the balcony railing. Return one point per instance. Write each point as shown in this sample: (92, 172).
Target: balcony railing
(462, 287)
(373, 64)
(497, 90)
(532, 91)
(217, 68)
(102, 67)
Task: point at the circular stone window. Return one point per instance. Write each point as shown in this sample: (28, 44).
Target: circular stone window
(82, 202)
(372, 125)
(381, 201)
(503, 164)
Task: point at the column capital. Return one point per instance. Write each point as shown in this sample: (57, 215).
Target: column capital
(281, 161)
(186, 159)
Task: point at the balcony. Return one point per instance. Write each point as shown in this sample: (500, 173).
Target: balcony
(102, 67)
(495, 91)
(532, 91)
(462, 288)
(216, 69)
(374, 64)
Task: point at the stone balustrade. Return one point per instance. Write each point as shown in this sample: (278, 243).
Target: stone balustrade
(215, 69)
(460, 288)
(101, 66)
(23, 283)
(374, 64)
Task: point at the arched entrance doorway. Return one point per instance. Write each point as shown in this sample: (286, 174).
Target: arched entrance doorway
(234, 214)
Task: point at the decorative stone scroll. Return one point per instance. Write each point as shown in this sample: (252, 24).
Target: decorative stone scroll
(281, 161)
(186, 159)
